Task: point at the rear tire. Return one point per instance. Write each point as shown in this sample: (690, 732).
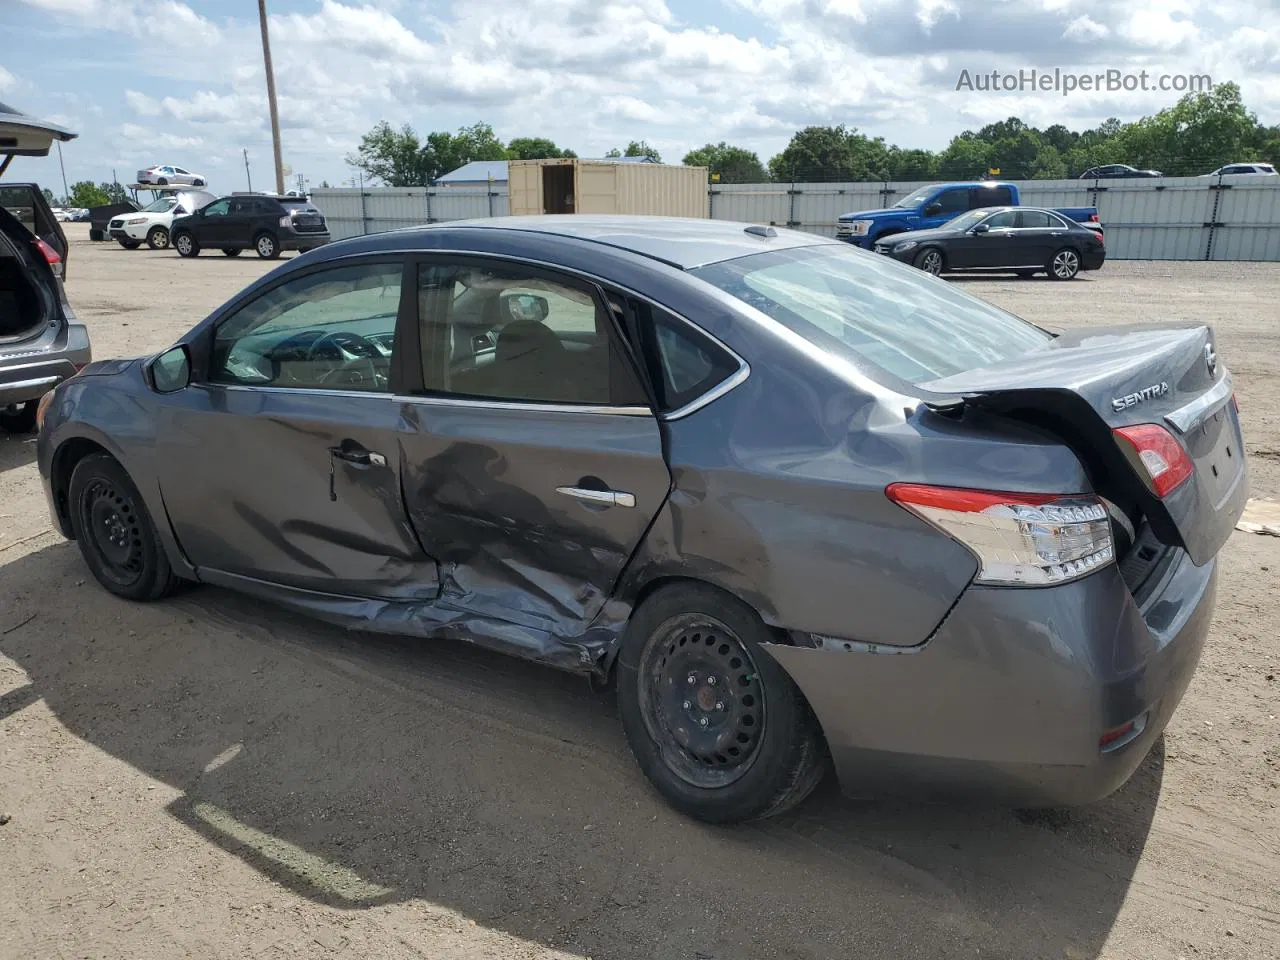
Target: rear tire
(186, 244)
(130, 244)
(1065, 264)
(197, 183)
(930, 261)
(96, 234)
(115, 533)
(231, 251)
(267, 245)
(158, 238)
(20, 419)
(739, 742)
(162, 182)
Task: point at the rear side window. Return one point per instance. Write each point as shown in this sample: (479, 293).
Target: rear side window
(685, 362)
(1034, 218)
(871, 309)
(990, 197)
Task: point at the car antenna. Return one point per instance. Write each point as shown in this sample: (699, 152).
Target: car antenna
(761, 231)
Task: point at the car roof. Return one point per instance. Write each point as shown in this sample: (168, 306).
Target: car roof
(679, 241)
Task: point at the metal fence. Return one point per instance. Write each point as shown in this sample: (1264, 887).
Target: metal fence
(1173, 218)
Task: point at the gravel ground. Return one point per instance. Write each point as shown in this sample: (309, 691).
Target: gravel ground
(209, 777)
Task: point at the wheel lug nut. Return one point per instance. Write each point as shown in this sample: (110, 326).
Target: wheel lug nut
(711, 681)
(719, 704)
(702, 722)
(686, 704)
(692, 678)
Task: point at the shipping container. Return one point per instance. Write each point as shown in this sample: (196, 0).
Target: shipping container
(576, 185)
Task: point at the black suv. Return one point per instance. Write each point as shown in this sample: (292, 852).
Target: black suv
(267, 224)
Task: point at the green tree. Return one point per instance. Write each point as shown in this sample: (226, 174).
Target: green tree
(444, 152)
(727, 164)
(116, 193)
(391, 156)
(535, 148)
(831, 153)
(86, 193)
(911, 164)
(48, 197)
(637, 148)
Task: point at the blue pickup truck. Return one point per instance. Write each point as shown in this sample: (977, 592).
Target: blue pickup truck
(934, 205)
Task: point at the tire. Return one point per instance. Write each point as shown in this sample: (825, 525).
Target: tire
(231, 251)
(1065, 264)
(19, 420)
(130, 244)
(96, 234)
(267, 245)
(115, 533)
(197, 182)
(760, 754)
(158, 238)
(186, 244)
(929, 260)
(162, 182)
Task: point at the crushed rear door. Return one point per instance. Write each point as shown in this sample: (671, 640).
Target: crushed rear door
(1087, 384)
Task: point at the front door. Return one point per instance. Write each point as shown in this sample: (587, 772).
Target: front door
(989, 248)
(945, 206)
(533, 463)
(280, 462)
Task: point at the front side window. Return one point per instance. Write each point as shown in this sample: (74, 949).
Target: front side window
(870, 309)
(1001, 221)
(952, 201)
(218, 208)
(333, 329)
(508, 333)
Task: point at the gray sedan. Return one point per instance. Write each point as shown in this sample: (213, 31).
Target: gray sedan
(803, 505)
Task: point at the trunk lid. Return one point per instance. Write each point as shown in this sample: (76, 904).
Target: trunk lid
(1087, 383)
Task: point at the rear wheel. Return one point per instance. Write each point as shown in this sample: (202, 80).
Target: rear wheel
(163, 182)
(96, 234)
(19, 417)
(1065, 264)
(267, 246)
(716, 725)
(232, 251)
(158, 238)
(130, 244)
(197, 182)
(186, 244)
(930, 260)
(115, 533)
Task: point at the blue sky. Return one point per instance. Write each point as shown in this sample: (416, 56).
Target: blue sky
(167, 81)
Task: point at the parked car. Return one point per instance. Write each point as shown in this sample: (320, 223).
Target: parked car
(100, 217)
(62, 214)
(41, 343)
(151, 224)
(81, 215)
(1244, 169)
(734, 469)
(261, 222)
(1110, 171)
(934, 205)
(1021, 240)
(165, 174)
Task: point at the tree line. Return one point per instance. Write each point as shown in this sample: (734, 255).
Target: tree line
(1199, 133)
(86, 193)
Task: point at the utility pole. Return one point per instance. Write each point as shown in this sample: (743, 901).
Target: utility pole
(65, 191)
(247, 176)
(271, 97)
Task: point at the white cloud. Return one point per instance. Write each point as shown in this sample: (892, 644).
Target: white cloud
(142, 104)
(7, 80)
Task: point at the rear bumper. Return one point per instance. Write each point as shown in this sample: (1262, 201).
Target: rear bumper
(1011, 697)
(303, 241)
(29, 376)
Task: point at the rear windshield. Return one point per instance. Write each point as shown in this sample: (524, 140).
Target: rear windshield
(866, 307)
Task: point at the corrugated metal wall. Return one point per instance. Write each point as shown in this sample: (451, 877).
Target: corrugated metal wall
(1175, 218)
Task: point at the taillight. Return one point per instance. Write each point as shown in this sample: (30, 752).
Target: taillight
(1019, 538)
(1166, 460)
(51, 257)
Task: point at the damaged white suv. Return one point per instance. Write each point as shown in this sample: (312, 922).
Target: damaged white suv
(150, 225)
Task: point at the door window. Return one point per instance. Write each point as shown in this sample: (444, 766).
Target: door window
(240, 208)
(331, 330)
(1003, 220)
(496, 332)
(990, 197)
(953, 201)
(218, 208)
(1031, 219)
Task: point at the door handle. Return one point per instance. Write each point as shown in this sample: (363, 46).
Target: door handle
(358, 455)
(607, 498)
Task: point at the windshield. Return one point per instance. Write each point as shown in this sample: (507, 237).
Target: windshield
(917, 198)
(160, 206)
(863, 307)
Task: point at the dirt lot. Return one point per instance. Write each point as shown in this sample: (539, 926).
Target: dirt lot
(210, 778)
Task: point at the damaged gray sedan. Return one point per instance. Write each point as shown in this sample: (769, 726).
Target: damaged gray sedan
(805, 506)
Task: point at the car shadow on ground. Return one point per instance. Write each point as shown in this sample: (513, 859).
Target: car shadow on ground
(1011, 278)
(358, 771)
(16, 450)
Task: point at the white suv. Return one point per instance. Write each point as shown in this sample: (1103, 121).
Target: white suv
(1236, 169)
(150, 225)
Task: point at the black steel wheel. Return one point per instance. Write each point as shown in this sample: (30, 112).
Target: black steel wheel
(716, 725)
(114, 531)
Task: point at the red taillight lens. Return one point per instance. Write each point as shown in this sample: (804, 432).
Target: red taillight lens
(51, 256)
(1031, 539)
(1165, 459)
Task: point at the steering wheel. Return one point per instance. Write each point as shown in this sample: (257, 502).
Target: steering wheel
(355, 360)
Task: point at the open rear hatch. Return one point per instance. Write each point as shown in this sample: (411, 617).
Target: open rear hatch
(1148, 409)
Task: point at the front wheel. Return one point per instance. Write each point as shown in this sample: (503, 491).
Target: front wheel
(158, 238)
(130, 244)
(186, 245)
(115, 533)
(231, 251)
(19, 417)
(715, 724)
(267, 246)
(930, 260)
(1065, 264)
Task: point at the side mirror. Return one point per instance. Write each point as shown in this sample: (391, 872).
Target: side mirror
(981, 228)
(933, 209)
(525, 306)
(171, 371)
